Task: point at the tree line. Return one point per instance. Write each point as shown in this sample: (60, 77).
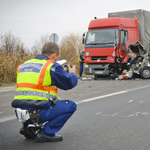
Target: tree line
(13, 53)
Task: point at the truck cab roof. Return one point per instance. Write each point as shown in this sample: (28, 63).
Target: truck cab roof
(113, 23)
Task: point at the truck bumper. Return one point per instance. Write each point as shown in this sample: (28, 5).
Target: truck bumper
(96, 69)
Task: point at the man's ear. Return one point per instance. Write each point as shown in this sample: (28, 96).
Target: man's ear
(55, 54)
(52, 56)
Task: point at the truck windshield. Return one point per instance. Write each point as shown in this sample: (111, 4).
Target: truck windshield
(102, 36)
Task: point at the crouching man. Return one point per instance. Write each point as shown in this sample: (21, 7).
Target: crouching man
(37, 83)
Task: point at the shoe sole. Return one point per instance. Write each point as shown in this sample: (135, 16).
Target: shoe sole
(27, 135)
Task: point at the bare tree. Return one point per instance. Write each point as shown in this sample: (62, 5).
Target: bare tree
(73, 40)
(39, 44)
(71, 46)
(11, 44)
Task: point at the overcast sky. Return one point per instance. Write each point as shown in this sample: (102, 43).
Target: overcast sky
(30, 19)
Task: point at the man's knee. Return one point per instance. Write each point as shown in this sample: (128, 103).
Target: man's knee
(72, 105)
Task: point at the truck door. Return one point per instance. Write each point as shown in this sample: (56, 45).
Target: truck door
(123, 40)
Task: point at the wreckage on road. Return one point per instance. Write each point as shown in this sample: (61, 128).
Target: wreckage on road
(138, 63)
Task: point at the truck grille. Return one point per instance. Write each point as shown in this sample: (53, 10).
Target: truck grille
(99, 57)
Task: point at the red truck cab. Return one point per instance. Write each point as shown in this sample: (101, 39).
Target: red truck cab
(106, 44)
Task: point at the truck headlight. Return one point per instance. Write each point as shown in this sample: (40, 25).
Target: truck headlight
(86, 66)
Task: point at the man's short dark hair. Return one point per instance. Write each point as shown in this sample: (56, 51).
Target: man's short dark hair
(50, 48)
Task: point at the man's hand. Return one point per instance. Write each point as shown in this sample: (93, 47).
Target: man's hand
(73, 69)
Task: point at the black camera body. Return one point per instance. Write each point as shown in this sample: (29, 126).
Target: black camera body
(65, 67)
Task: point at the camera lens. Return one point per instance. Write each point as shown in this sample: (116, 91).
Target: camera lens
(65, 67)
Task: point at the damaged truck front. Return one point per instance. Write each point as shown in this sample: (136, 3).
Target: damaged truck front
(107, 41)
(137, 65)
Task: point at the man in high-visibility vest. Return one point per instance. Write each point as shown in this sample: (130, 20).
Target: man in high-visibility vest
(81, 61)
(37, 83)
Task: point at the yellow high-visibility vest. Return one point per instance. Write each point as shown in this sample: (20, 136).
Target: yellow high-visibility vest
(34, 81)
(80, 59)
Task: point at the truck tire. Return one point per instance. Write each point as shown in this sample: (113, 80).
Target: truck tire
(145, 72)
(95, 77)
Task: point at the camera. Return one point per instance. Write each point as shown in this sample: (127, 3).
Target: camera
(65, 67)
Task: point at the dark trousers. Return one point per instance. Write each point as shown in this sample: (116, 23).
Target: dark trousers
(81, 69)
(56, 116)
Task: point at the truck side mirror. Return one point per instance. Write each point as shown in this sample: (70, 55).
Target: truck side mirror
(83, 38)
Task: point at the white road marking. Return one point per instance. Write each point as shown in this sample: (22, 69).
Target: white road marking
(144, 113)
(112, 116)
(13, 89)
(130, 101)
(115, 114)
(141, 102)
(137, 113)
(98, 113)
(131, 115)
(7, 118)
(103, 96)
(106, 115)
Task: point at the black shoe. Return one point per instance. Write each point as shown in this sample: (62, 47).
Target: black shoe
(27, 132)
(45, 138)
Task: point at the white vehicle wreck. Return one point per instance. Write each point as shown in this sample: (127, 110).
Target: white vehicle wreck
(137, 64)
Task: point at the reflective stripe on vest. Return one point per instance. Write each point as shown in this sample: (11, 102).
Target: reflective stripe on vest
(35, 93)
(38, 86)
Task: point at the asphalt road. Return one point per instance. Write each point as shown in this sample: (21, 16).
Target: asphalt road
(111, 115)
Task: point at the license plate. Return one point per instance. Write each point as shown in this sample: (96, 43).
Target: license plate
(98, 72)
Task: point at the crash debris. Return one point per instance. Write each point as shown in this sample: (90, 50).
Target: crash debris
(138, 63)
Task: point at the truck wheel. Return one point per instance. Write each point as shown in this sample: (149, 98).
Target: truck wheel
(95, 77)
(145, 72)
